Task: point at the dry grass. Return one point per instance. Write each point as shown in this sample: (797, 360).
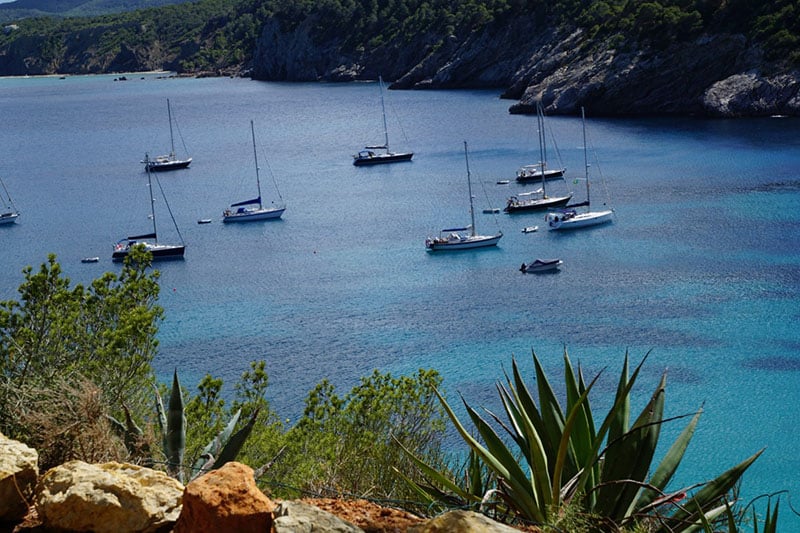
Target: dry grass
(67, 421)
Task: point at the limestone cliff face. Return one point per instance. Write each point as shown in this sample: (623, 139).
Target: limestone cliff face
(717, 75)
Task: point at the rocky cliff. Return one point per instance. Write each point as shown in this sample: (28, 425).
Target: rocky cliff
(718, 75)
(525, 57)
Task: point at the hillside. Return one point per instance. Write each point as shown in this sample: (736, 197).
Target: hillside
(20, 9)
(734, 58)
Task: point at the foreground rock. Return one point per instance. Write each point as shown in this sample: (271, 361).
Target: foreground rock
(109, 497)
(226, 500)
(299, 517)
(19, 469)
(462, 522)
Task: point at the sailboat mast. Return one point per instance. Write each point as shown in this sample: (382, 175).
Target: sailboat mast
(171, 138)
(152, 200)
(383, 109)
(255, 157)
(540, 125)
(585, 155)
(469, 188)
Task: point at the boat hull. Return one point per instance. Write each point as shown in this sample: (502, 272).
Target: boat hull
(253, 215)
(464, 243)
(379, 159)
(536, 205)
(160, 252)
(557, 221)
(8, 218)
(173, 164)
(524, 176)
(541, 265)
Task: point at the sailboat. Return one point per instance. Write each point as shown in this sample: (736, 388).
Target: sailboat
(369, 156)
(569, 218)
(256, 211)
(539, 171)
(465, 237)
(150, 241)
(9, 214)
(538, 199)
(169, 161)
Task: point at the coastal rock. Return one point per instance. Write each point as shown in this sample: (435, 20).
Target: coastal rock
(299, 517)
(608, 81)
(109, 497)
(753, 95)
(463, 522)
(226, 499)
(19, 469)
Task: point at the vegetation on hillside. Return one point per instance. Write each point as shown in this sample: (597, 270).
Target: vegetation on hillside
(214, 35)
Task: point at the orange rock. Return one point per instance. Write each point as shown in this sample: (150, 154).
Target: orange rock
(226, 499)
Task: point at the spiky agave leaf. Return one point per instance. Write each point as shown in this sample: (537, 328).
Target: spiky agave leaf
(234, 444)
(176, 430)
(531, 444)
(589, 471)
(667, 467)
(433, 494)
(213, 448)
(709, 496)
(630, 458)
(504, 467)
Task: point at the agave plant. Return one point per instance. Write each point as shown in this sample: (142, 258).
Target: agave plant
(172, 423)
(563, 458)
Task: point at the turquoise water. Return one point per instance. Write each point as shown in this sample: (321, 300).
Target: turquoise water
(700, 268)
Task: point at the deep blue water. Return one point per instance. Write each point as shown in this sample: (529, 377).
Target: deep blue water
(701, 266)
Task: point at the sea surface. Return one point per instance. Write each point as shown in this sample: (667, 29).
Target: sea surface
(700, 268)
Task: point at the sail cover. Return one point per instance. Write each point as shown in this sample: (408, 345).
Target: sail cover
(247, 202)
(145, 236)
(456, 229)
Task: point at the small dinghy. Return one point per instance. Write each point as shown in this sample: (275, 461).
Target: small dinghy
(530, 229)
(541, 265)
(504, 182)
(90, 260)
(204, 221)
(491, 210)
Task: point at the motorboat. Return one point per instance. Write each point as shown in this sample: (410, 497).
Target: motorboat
(541, 265)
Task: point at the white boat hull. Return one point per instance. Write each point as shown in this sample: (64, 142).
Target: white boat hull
(558, 221)
(541, 265)
(8, 218)
(250, 215)
(462, 242)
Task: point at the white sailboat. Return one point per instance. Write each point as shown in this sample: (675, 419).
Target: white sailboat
(369, 156)
(169, 161)
(150, 241)
(249, 210)
(570, 218)
(539, 171)
(465, 237)
(9, 214)
(538, 199)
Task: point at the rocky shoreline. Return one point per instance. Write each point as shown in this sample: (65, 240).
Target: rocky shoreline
(124, 498)
(713, 75)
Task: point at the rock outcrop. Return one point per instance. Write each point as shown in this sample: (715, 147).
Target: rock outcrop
(108, 497)
(721, 75)
(226, 499)
(19, 470)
